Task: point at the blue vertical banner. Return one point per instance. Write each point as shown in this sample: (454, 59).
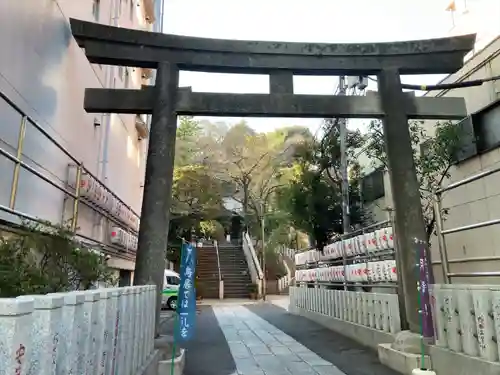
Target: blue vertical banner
(187, 294)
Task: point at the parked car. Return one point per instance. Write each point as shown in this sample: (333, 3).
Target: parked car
(171, 283)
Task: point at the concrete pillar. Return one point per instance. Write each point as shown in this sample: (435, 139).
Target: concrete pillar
(151, 317)
(93, 345)
(15, 326)
(136, 328)
(84, 332)
(144, 332)
(45, 334)
(405, 188)
(131, 322)
(105, 324)
(394, 313)
(138, 346)
(153, 232)
(123, 332)
(117, 323)
(72, 317)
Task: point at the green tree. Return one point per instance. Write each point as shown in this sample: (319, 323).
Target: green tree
(434, 156)
(313, 196)
(251, 162)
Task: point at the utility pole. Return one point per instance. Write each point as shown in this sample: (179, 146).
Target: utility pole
(343, 163)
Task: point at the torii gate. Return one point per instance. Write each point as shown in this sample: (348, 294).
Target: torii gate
(281, 61)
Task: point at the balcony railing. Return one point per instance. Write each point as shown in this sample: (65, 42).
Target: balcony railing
(124, 217)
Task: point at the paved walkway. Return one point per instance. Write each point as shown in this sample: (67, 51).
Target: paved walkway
(263, 339)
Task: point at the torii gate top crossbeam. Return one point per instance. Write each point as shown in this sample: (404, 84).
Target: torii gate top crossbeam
(124, 47)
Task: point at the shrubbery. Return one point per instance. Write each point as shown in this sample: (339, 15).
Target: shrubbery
(46, 259)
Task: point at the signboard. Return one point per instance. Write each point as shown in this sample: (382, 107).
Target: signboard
(187, 294)
(425, 276)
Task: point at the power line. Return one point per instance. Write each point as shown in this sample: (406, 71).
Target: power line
(446, 86)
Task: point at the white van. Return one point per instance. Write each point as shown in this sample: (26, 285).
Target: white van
(171, 281)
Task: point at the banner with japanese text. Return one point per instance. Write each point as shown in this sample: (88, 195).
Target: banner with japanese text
(187, 294)
(426, 280)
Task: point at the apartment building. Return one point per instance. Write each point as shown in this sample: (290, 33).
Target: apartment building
(475, 250)
(43, 75)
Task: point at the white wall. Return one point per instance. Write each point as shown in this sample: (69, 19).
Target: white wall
(45, 73)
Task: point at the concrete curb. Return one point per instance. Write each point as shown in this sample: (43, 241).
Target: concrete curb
(364, 335)
(165, 366)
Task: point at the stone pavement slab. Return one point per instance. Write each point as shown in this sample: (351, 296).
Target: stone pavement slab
(263, 339)
(317, 346)
(271, 350)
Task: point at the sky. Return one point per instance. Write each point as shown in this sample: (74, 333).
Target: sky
(321, 21)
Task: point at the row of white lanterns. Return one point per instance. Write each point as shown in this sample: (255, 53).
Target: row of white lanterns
(368, 243)
(121, 237)
(377, 271)
(94, 191)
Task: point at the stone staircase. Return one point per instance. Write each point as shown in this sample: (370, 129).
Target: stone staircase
(207, 272)
(235, 272)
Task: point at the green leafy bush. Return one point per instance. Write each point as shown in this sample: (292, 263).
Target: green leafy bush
(46, 259)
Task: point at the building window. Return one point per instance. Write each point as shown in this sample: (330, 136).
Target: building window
(120, 72)
(96, 8)
(487, 127)
(373, 185)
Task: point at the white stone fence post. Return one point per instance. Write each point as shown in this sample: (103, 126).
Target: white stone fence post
(96, 332)
(379, 311)
(467, 319)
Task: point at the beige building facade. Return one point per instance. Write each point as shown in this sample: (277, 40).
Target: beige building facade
(44, 73)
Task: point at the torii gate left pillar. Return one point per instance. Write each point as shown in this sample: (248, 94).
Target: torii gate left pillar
(153, 232)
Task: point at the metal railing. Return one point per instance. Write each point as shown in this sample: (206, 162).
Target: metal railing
(253, 262)
(441, 232)
(76, 196)
(221, 282)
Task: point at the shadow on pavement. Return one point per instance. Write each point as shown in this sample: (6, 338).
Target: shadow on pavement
(208, 352)
(349, 356)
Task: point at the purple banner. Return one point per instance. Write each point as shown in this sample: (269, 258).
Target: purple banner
(426, 279)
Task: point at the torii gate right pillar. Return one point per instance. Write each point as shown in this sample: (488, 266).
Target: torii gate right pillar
(405, 188)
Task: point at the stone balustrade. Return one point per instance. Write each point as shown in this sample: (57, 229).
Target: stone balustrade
(467, 319)
(102, 332)
(375, 310)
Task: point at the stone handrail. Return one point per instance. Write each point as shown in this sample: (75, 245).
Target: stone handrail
(252, 261)
(102, 331)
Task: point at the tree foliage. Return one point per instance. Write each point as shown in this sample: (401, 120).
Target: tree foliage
(313, 196)
(47, 259)
(433, 154)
